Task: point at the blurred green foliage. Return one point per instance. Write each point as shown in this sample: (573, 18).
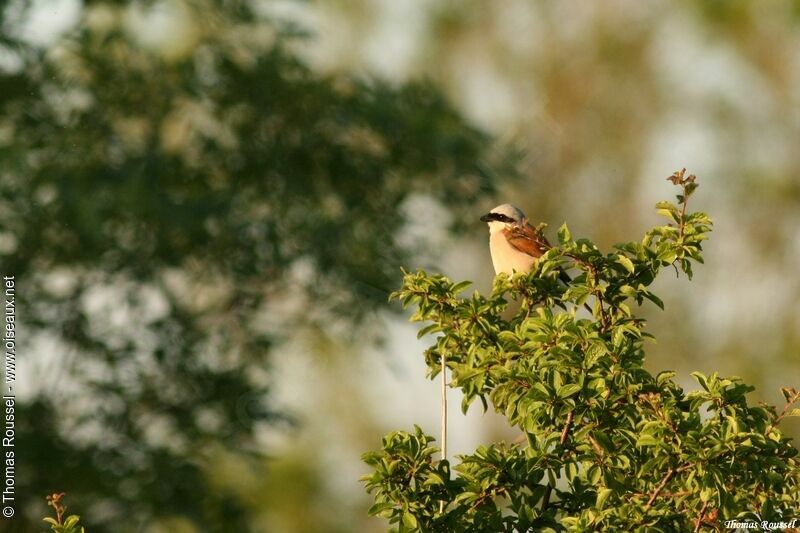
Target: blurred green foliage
(158, 205)
(607, 445)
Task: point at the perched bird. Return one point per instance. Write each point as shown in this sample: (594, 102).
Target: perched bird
(515, 245)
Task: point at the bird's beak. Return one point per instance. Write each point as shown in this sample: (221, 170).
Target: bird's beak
(486, 217)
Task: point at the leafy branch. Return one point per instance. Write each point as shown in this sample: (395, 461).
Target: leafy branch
(607, 445)
(59, 524)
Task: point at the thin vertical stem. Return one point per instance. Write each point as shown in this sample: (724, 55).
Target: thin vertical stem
(444, 410)
(699, 521)
(444, 419)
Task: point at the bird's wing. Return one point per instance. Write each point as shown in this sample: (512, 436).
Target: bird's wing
(526, 239)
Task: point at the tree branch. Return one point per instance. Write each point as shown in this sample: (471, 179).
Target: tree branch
(567, 425)
(660, 486)
(699, 520)
(791, 399)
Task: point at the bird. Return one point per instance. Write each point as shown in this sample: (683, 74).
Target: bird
(515, 245)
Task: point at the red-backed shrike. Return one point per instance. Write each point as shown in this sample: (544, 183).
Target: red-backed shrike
(515, 244)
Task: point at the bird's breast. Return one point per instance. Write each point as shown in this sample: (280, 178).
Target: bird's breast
(506, 258)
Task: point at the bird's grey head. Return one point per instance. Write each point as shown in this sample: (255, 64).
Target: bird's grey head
(503, 215)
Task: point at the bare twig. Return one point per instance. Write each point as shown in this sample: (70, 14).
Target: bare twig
(658, 488)
(54, 501)
(688, 185)
(595, 292)
(699, 520)
(792, 398)
(682, 226)
(598, 296)
(597, 449)
(567, 426)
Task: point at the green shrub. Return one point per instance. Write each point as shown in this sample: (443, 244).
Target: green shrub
(607, 445)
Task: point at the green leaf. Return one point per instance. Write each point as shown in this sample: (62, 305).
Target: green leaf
(458, 287)
(434, 479)
(603, 440)
(666, 213)
(701, 379)
(380, 509)
(602, 496)
(647, 440)
(788, 393)
(628, 291)
(664, 376)
(626, 262)
(651, 427)
(653, 298)
(668, 256)
(593, 474)
(428, 329)
(564, 236)
(466, 497)
(565, 391)
(409, 520)
(667, 206)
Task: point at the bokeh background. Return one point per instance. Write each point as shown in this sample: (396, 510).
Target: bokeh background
(206, 204)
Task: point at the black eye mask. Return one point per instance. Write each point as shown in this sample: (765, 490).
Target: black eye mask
(497, 217)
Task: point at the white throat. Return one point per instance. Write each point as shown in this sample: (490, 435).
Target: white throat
(495, 226)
